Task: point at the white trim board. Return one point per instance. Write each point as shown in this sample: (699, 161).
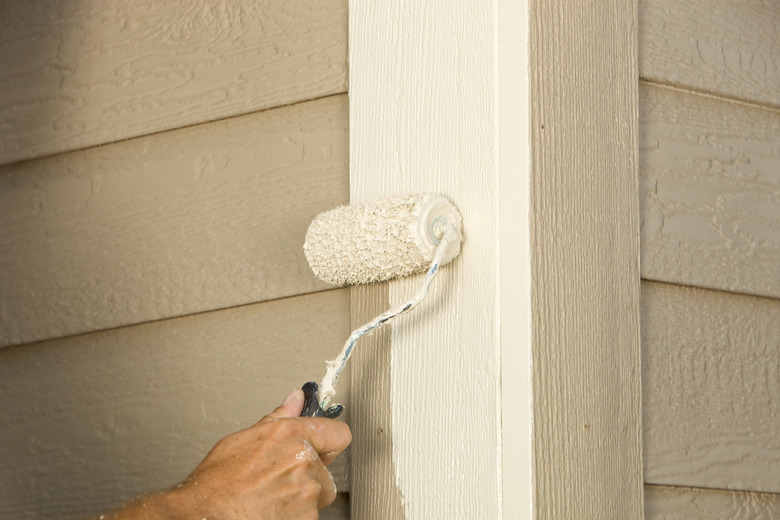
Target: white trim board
(545, 294)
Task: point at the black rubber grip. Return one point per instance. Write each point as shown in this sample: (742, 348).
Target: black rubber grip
(311, 403)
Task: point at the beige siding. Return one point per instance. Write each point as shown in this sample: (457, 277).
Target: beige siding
(78, 73)
(710, 192)
(186, 221)
(711, 374)
(710, 204)
(586, 288)
(682, 503)
(160, 159)
(93, 420)
(727, 47)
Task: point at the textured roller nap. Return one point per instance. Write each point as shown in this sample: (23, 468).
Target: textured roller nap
(378, 240)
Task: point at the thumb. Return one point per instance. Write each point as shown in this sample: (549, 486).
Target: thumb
(290, 407)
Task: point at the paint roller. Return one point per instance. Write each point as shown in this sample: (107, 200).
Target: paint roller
(374, 242)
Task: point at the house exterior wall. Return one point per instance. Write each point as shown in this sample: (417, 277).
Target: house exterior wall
(159, 165)
(516, 392)
(151, 216)
(710, 240)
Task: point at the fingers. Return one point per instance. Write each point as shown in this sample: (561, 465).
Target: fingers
(290, 407)
(329, 437)
(327, 487)
(317, 483)
(317, 441)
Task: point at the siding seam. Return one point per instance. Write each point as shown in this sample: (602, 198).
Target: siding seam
(10, 165)
(705, 288)
(708, 93)
(167, 318)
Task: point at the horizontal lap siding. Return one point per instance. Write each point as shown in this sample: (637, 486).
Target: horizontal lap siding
(710, 214)
(186, 221)
(144, 179)
(80, 73)
(709, 192)
(711, 388)
(683, 503)
(93, 420)
(726, 47)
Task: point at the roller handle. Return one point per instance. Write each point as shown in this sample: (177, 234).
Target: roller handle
(311, 403)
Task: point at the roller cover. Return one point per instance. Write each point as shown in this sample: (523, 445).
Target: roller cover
(379, 240)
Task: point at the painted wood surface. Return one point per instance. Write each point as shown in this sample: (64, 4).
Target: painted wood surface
(727, 47)
(423, 117)
(93, 420)
(188, 221)
(373, 487)
(685, 503)
(428, 117)
(78, 73)
(585, 252)
(711, 385)
(710, 192)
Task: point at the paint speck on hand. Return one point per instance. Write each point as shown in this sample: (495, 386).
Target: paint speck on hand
(307, 453)
(331, 480)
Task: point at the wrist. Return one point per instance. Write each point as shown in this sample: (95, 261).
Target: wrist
(176, 503)
(180, 502)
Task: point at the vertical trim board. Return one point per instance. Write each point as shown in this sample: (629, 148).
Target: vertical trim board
(725, 47)
(513, 256)
(373, 485)
(78, 73)
(425, 116)
(585, 260)
(187, 221)
(427, 89)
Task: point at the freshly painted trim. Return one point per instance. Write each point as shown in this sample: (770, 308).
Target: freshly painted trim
(550, 260)
(434, 106)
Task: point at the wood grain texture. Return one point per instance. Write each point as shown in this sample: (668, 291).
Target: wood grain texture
(373, 484)
(78, 73)
(93, 420)
(421, 120)
(188, 221)
(584, 253)
(428, 117)
(726, 47)
(711, 385)
(685, 503)
(710, 192)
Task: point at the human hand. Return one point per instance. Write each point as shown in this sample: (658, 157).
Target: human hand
(275, 469)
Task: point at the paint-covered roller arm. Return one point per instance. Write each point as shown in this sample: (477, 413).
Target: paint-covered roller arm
(377, 241)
